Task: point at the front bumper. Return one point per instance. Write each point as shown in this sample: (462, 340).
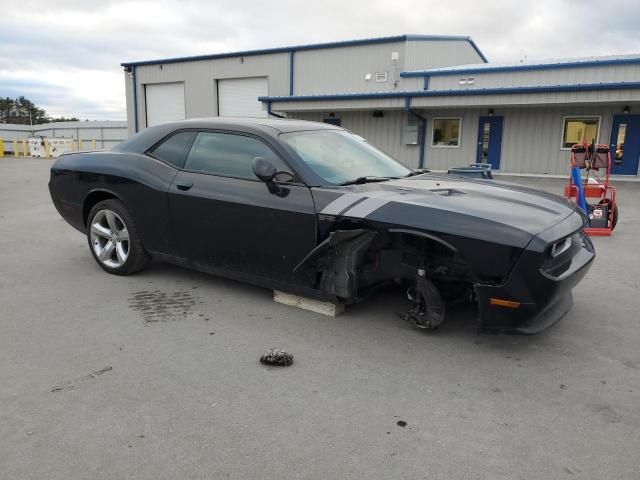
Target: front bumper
(542, 291)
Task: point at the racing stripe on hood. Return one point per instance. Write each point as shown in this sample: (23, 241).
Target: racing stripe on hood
(377, 200)
(361, 205)
(342, 203)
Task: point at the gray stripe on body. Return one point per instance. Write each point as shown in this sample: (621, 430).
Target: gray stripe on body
(359, 205)
(370, 205)
(341, 203)
(365, 208)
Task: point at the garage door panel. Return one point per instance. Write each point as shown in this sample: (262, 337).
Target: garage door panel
(238, 97)
(165, 103)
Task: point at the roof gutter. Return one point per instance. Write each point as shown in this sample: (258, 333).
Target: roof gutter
(314, 46)
(463, 92)
(132, 71)
(477, 49)
(272, 114)
(291, 63)
(520, 68)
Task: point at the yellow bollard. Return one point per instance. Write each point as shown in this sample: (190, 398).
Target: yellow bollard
(47, 150)
(93, 144)
(15, 148)
(79, 144)
(1, 148)
(25, 148)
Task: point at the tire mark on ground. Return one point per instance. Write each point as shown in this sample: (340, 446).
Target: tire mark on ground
(159, 306)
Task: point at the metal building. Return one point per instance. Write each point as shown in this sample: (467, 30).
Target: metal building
(431, 101)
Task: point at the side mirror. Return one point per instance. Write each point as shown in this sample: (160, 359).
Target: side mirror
(263, 169)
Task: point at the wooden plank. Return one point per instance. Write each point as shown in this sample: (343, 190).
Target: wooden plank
(323, 308)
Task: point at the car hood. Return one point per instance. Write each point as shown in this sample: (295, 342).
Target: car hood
(450, 204)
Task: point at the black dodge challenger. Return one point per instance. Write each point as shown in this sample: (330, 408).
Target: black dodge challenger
(314, 210)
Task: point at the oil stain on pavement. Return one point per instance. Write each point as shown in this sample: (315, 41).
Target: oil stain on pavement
(158, 306)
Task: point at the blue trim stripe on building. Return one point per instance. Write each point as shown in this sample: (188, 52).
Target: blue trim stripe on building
(314, 46)
(521, 68)
(447, 93)
(135, 99)
(477, 49)
(272, 114)
(291, 65)
(423, 130)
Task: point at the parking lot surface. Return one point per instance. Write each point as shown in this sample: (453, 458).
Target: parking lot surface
(156, 376)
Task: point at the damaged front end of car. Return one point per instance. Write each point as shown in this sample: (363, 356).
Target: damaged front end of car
(352, 264)
(515, 290)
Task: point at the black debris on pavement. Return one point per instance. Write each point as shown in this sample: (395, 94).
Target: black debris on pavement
(277, 357)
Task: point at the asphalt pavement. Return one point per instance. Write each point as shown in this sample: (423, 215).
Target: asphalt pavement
(157, 375)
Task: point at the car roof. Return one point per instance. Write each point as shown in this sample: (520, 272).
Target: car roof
(247, 123)
(258, 126)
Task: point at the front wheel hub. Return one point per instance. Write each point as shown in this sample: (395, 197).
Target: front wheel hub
(428, 309)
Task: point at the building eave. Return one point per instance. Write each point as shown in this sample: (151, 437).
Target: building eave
(461, 92)
(520, 68)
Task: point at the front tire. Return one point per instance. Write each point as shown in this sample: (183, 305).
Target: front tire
(113, 239)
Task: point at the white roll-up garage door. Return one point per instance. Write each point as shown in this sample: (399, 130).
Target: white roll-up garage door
(238, 97)
(165, 102)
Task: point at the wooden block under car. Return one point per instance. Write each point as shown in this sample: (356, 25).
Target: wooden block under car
(324, 308)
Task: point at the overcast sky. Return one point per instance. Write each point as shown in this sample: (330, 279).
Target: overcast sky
(65, 54)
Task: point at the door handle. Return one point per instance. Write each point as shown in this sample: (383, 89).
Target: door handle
(184, 186)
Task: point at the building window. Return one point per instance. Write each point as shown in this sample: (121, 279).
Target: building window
(578, 129)
(446, 132)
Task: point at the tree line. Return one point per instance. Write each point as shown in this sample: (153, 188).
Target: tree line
(23, 111)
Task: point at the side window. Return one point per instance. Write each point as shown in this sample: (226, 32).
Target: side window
(175, 149)
(229, 155)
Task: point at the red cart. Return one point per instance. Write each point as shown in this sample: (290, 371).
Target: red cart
(599, 195)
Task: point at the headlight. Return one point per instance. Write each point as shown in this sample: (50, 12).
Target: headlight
(559, 247)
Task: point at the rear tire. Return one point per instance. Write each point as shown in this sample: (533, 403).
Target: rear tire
(113, 239)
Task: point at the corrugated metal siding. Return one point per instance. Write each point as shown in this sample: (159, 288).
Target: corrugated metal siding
(442, 158)
(530, 141)
(200, 77)
(340, 70)
(334, 70)
(532, 137)
(435, 54)
(385, 133)
(560, 76)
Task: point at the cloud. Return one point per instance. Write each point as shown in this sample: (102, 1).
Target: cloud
(66, 55)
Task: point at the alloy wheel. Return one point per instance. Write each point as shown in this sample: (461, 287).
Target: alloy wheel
(109, 238)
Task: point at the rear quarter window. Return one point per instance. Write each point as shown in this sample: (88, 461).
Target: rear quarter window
(175, 149)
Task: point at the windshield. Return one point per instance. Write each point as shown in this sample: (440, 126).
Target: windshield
(341, 157)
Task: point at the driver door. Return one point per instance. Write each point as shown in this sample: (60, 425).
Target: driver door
(226, 220)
